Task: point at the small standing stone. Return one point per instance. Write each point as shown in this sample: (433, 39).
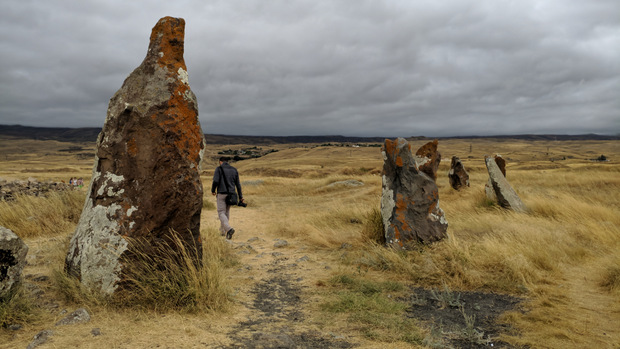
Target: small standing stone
(457, 175)
(506, 195)
(427, 159)
(410, 199)
(488, 188)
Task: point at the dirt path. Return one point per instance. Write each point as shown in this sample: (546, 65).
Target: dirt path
(270, 282)
(596, 313)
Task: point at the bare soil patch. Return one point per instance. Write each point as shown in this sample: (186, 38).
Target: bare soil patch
(447, 313)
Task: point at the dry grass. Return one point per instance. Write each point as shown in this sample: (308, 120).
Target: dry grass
(30, 216)
(167, 280)
(561, 256)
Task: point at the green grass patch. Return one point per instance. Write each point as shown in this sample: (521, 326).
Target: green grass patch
(372, 307)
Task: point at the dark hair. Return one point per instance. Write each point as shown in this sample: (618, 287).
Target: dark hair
(224, 159)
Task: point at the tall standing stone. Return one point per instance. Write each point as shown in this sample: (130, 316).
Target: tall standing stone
(146, 177)
(410, 199)
(488, 188)
(428, 159)
(13, 253)
(457, 175)
(506, 195)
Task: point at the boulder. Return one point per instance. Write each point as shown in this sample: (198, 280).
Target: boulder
(146, 178)
(427, 159)
(457, 175)
(80, 316)
(13, 253)
(410, 199)
(506, 196)
(488, 188)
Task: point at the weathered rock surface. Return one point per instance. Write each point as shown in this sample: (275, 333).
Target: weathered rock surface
(146, 177)
(40, 338)
(457, 175)
(427, 159)
(13, 253)
(410, 199)
(80, 316)
(488, 188)
(506, 196)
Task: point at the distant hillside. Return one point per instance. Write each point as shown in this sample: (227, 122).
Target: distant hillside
(89, 134)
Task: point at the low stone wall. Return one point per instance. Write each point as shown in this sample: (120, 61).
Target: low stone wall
(9, 190)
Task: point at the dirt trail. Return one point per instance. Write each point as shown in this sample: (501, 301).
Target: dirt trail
(596, 313)
(270, 282)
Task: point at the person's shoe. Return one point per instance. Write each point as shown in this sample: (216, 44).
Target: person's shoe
(230, 233)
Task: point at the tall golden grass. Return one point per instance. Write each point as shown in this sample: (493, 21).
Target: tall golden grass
(32, 216)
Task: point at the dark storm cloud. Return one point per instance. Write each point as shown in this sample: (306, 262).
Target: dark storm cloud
(376, 68)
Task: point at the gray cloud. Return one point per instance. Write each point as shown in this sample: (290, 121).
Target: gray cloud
(371, 68)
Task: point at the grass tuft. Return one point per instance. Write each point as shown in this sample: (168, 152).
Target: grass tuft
(373, 230)
(168, 278)
(17, 309)
(611, 277)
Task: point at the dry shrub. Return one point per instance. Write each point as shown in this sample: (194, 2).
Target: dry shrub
(610, 279)
(373, 230)
(31, 216)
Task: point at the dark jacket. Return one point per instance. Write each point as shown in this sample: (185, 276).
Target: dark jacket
(231, 176)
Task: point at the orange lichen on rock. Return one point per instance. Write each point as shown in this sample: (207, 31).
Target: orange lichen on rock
(409, 200)
(167, 42)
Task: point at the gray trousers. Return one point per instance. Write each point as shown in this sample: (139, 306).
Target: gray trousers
(223, 212)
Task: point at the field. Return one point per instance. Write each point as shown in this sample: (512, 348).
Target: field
(303, 269)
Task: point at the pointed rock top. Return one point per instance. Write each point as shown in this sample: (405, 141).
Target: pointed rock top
(167, 43)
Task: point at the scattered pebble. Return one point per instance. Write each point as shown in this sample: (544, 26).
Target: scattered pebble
(280, 243)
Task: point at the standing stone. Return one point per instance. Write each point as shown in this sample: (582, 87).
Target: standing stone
(146, 177)
(13, 253)
(506, 196)
(410, 199)
(427, 159)
(488, 188)
(457, 175)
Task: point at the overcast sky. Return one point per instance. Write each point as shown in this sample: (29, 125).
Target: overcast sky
(318, 67)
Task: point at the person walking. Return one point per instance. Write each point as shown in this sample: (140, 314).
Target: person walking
(225, 180)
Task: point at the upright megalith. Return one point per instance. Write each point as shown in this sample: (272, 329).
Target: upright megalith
(488, 188)
(146, 179)
(505, 194)
(13, 253)
(458, 176)
(410, 199)
(427, 159)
